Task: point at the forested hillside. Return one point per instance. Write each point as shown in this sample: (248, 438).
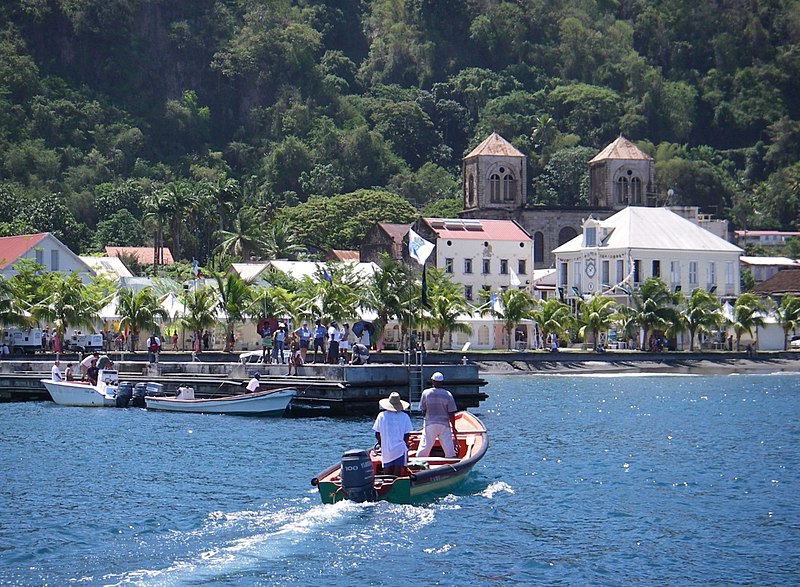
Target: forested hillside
(220, 123)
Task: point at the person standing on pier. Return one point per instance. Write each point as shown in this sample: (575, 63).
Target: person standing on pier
(319, 339)
(439, 408)
(304, 336)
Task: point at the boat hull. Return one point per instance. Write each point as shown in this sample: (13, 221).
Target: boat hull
(68, 393)
(265, 403)
(426, 476)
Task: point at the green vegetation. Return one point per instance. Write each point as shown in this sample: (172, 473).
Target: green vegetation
(203, 125)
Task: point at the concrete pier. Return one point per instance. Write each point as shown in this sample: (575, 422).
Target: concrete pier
(335, 390)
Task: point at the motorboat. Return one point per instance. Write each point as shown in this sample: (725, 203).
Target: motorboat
(358, 477)
(260, 403)
(83, 393)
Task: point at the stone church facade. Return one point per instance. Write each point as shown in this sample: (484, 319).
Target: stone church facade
(494, 186)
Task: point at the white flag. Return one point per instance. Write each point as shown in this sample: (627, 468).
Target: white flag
(514, 279)
(418, 247)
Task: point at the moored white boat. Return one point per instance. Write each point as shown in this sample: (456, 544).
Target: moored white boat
(83, 394)
(261, 403)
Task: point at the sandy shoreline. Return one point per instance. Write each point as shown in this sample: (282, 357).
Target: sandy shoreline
(624, 365)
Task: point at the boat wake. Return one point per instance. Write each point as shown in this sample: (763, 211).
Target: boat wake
(259, 543)
(496, 487)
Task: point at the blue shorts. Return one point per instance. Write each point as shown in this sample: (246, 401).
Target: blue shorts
(398, 462)
(303, 343)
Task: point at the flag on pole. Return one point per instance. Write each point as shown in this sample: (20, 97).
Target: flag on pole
(514, 279)
(195, 269)
(492, 302)
(418, 247)
(424, 298)
(326, 276)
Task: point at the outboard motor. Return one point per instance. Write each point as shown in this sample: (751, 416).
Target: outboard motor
(358, 476)
(139, 391)
(124, 394)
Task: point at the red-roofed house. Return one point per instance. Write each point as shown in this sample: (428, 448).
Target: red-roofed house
(343, 256)
(143, 255)
(480, 254)
(45, 249)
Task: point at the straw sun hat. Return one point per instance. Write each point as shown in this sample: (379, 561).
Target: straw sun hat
(393, 403)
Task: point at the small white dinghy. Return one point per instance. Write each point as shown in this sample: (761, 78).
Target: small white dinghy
(260, 403)
(84, 394)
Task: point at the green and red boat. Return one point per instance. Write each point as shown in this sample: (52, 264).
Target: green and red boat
(364, 480)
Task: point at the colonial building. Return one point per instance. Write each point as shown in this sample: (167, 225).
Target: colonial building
(494, 186)
(45, 249)
(480, 254)
(614, 256)
(384, 237)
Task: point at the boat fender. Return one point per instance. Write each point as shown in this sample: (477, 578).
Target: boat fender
(357, 476)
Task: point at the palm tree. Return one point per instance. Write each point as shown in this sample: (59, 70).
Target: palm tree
(446, 305)
(280, 243)
(553, 317)
(236, 297)
(332, 293)
(11, 307)
(543, 133)
(385, 292)
(158, 211)
(702, 314)
(746, 316)
(200, 311)
(653, 308)
(245, 239)
(788, 315)
(515, 306)
(598, 315)
(181, 198)
(70, 303)
(138, 312)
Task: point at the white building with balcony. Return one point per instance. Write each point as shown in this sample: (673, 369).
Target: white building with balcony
(489, 255)
(614, 256)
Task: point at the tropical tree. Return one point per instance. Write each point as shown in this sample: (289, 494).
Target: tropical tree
(515, 305)
(597, 315)
(235, 299)
(385, 293)
(200, 315)
(69, 304)
(276, 300)
(245, 239)
(746, 315)
(158, 212)
(788, 315)
(11, 307)
(653, 308)
(181, 198)
(446, 304)
(281, 243)
(332, 293)
(553, 317)
(138, 312)
(701, 314)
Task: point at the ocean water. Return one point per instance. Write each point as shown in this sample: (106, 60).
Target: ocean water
(648, 480)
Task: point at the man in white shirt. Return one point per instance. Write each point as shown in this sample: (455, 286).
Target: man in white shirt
(55, 372)
(392, 427)
(334, 336)
(87, 362)
(255, 383)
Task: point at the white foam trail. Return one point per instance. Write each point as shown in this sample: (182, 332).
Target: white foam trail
(496, 487)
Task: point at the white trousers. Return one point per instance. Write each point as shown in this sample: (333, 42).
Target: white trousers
(429, 435)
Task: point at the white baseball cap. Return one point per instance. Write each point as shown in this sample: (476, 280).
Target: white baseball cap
(437, 377)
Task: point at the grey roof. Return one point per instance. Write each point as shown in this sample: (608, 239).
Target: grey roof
(638, 227)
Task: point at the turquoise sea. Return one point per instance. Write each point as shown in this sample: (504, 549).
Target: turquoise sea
(648, 480)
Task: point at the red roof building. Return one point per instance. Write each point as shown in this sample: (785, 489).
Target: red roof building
(143, 255)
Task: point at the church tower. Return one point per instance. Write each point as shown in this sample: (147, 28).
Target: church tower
(494, 176)
(621, 175)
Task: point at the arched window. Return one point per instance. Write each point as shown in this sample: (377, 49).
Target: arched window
(566, 234)
(636, 190)
(471, 192)
(509, 188)
(622, 190)
(538, 247)
(494, 187)
(483, 335)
